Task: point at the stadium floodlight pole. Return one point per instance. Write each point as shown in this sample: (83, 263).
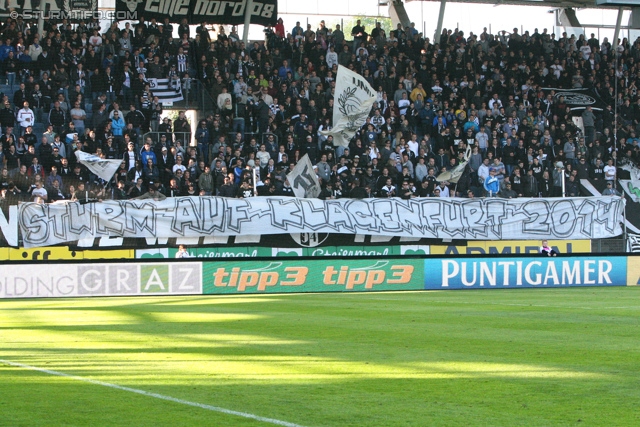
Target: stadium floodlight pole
(247, 21)
(41, 22)
(615, 80)
(616, 34)
(436, 38)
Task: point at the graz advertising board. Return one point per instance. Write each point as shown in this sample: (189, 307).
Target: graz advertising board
(76, 280)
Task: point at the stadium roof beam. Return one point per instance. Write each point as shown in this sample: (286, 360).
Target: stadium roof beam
(567, 18)
(398, 13)
(564, 9)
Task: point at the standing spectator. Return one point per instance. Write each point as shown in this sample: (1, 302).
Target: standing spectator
(57, 118)
(203, 138)
(125, 83)
(148, 154)
(117, 127)
(10, 67)
(182, 127)
(492, 183)
(205, 181)
(558, 177)
(588, 121)
(136, 118)
(530, 186)
(78, 115)
(358, 34)
(25, 117)
(610, 171)
(110, 83)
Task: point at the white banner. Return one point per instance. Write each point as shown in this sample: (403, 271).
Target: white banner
(631, 186)
(467, 219)
(104, 168)
(354, 98)
(303, 179)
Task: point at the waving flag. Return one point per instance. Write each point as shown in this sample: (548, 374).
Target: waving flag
(303, 179)
(104, 168)
(353, 98)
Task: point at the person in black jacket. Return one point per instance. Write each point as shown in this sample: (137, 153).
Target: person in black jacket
(262, 111)
(545, 185)
(57, 118)
(7, 115)
(110, 85)
(97, 84)
(530, 186)
(227, 189)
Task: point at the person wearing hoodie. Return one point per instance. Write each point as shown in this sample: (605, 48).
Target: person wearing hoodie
(117, 127)
(492, 183)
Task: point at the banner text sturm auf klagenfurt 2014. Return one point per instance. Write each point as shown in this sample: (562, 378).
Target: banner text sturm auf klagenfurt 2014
(483, 273)
(436, 218)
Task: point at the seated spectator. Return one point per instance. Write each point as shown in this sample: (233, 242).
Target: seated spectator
(610, 190)
(508, 192)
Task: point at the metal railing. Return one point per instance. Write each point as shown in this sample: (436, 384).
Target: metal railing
(156, 137)
(196, 97)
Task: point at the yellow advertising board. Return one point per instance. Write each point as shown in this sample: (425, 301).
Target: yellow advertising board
(633, 271)
(51, 253)
(109, 254)
(502, 247)
(62, 253)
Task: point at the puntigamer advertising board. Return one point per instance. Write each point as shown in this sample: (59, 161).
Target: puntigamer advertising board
(479, 273)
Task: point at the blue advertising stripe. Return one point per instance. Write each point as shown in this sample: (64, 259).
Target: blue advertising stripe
(524, 272)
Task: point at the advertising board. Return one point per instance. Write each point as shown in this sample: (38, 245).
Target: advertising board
(73, 280)
(312, 276)
(251, 276)
(482, 273)
(507, 247)
(231, 251)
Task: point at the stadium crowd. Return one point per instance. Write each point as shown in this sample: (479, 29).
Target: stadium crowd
(479, 94)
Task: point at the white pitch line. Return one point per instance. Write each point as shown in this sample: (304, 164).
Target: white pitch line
(156, 395)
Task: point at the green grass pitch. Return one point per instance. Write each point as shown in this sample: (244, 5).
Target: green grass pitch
(540, 357)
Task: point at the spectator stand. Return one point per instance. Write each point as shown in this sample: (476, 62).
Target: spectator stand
(481, 90)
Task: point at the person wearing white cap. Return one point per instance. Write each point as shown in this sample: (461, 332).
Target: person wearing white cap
(492, 183)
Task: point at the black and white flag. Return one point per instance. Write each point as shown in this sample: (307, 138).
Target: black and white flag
(354, 98)
(576, 99)
(303, 179)
(104, 168)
